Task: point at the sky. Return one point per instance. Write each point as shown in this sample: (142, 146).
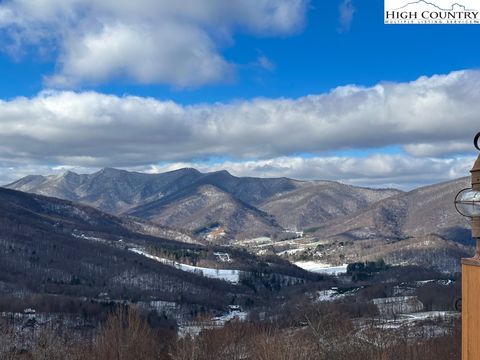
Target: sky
(305, 89)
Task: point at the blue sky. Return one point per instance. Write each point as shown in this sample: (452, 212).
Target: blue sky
(314, 59)
(333, 67)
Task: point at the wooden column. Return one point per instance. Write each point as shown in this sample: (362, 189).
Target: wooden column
(471, 309)
(471, 283)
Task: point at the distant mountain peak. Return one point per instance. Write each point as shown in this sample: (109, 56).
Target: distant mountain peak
(221, 172)
(107, 170)
(68, 173)
(29, 179)
(110, 172)
(183, 170)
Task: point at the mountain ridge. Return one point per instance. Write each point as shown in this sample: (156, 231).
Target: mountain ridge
(149, 196)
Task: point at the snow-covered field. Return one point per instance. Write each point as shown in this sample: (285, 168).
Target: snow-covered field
(232, 276)
(322, 268)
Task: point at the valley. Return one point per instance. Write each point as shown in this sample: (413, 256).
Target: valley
(200, 253)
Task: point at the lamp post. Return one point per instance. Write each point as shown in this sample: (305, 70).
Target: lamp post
(467, 203)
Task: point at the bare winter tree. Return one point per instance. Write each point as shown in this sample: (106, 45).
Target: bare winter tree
(126, 336)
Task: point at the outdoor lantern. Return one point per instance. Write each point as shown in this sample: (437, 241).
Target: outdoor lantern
(467, 201)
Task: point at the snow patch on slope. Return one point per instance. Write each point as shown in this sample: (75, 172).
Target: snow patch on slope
(231, 276)
(321, 268)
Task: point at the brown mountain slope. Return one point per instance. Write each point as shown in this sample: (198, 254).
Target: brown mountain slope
(55, 246)
(421, 212)
(420, 227)
(317, 202)
(110, 190)
(208, 208)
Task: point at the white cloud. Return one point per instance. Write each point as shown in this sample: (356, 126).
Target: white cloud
(438, 149)
(146, 41)
(137, 53)
(432, 118)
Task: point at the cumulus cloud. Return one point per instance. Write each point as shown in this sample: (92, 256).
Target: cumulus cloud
(438, 149)
(146, 41)
(430, 118)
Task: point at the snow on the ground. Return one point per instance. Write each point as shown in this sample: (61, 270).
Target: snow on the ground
(194, 329)
(91, 238)
(423, 324)
(328, 295)
(291, 251)
(232, 276)
(233, 315)
(439, 282)
(153, 257)
(256, 241)
(429, 315)
(334, 294)
(223, 257)
(411, 319)
(322, 268)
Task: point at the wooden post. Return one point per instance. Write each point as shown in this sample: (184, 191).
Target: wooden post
(471, 284)
(471, 309)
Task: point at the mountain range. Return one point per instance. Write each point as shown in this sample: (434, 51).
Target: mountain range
(337, 222)
(236, 207)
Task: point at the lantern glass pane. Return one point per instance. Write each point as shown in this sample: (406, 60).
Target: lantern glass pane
(468, 203)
